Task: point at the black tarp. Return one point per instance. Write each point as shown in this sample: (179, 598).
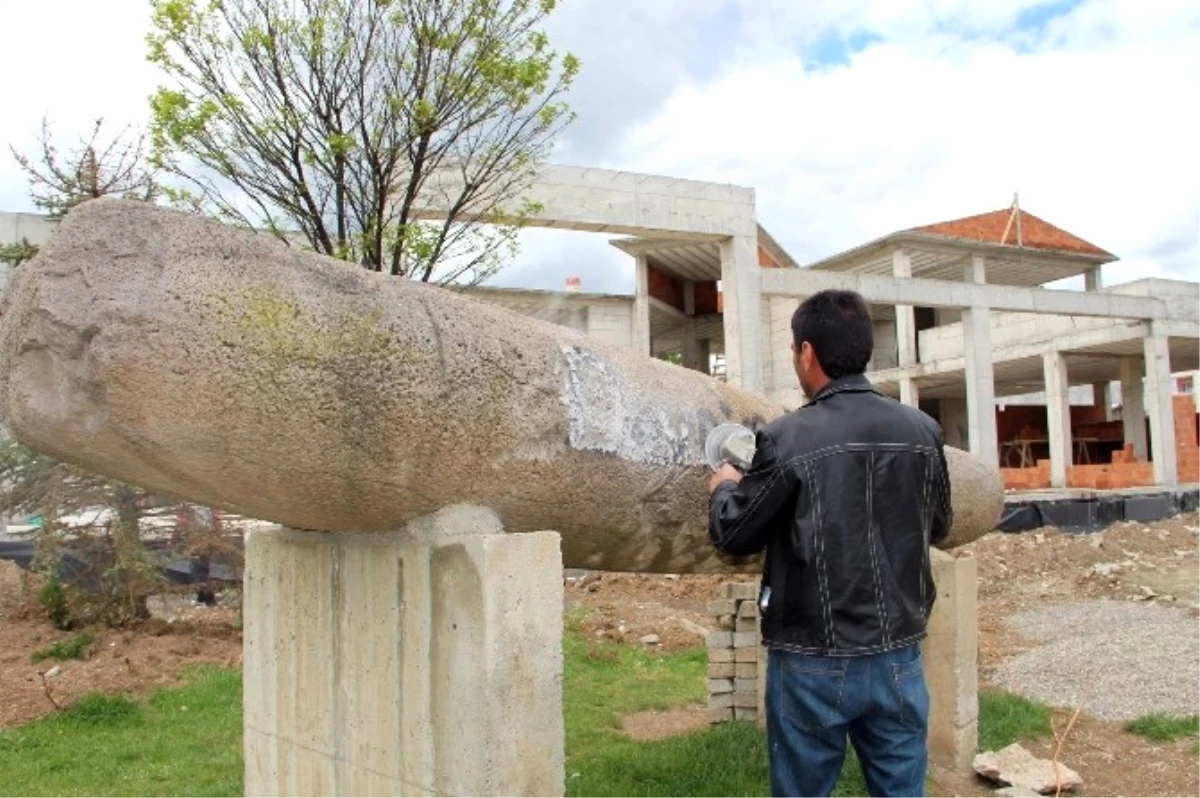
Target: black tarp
(1094, 514)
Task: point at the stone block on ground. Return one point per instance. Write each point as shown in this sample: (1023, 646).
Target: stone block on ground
(745, 713)
(745, 654)
(745, 700)
(747, 609)
(720, 655)
(721, 701)
(746, 625)
(722, 670)
(1015, 766)
(745, 670)
(719, 639)
(718, 686)
(745, 639)
(724, 606)
(719, 714)
(739, 590)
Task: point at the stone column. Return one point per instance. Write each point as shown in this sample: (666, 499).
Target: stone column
(909, 394)
(1058, 416)
(1133, 405)
(981, 387)
(741, 287)
(1160, 407)
(426, 661)
(1092, 280)
(640, 339)
(951, 651)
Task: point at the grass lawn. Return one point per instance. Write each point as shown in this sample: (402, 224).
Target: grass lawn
(188, 740)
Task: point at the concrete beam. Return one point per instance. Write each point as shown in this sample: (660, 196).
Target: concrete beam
(1161, 408)
(1058, 417)
(602, 200)
(1066, 344)
(945, 294)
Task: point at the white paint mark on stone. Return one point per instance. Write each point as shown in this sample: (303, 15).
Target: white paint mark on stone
(610, 414)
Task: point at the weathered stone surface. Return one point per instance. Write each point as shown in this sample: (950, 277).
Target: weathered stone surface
(1015, 766)
(219, 366)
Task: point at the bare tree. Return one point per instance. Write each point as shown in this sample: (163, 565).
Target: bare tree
(95, 168)
(338, 118)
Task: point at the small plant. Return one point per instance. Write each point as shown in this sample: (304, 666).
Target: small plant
(95, 709)
(1162, 727)
(53, 599)
(76, 647)
(1005, 718)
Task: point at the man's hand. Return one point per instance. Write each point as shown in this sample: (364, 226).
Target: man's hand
(725, 473)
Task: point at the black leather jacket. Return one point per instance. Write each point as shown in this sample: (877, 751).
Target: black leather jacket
(846, 494)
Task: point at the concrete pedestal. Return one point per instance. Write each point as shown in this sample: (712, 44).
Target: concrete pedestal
(951, 654)
(427, 661)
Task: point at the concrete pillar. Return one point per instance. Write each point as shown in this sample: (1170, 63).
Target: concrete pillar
(1100, 398)
(906, 326)
(1092, 279)
(1133, 405)
(955, 421)
(1160, 407)
(689, 345)
(951, 654)
(640, 339)
(1058, 416)
(741, 287)
(426, 661)
(981, 388)
(909, 394)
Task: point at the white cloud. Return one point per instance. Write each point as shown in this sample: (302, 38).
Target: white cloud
(1093, 126)
(73, 61)
(948, 112)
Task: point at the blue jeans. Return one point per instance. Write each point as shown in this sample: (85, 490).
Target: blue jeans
(814, 703)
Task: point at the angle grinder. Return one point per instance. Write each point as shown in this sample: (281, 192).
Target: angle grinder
(729, 443)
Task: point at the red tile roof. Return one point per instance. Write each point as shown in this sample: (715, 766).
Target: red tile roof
(1035, 233)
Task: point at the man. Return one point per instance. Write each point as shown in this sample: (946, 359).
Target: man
(846, 494)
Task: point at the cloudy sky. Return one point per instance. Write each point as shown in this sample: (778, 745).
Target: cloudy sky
(850, 118)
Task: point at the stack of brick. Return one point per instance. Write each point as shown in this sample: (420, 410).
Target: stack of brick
(733, 648)
(1125, 470)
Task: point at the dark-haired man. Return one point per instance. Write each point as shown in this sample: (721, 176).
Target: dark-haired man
(846, 494)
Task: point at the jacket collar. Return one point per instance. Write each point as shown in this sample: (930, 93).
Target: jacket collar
(851, 383)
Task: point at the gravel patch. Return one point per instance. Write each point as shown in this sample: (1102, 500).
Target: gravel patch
(1127, 659)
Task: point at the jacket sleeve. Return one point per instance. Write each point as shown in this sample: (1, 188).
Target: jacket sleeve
(743, 517)
(943, 510)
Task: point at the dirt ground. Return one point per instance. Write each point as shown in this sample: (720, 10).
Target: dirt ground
(135, 661)
(1155, 562)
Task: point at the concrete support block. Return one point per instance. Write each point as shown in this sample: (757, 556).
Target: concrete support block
(1058, 416)
(640, 337)
(1161, 408)
(746, 625)
(909, 394)
(400, 663)
(1133, 405)
(719, 640)
(742, 289)
(951, 654)
(741, 591)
